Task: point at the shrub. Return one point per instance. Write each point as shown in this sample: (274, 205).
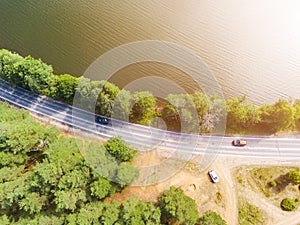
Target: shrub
(273, 183)
(288, 204)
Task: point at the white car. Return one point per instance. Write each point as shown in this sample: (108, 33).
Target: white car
(213, 176)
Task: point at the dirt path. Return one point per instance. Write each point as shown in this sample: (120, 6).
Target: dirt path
(275, 214)
(228, 184)
(259, 200)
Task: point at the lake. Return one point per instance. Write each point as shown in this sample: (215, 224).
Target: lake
(252, 47)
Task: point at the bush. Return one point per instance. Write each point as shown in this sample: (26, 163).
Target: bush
(294, 177)
(211, 217)
(273, 183)
(288, 204)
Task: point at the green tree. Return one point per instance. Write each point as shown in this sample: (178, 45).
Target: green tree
(119, 149)
(288, 204)
(60, 181)
(143, 107)
(100, 188)
(32, 203)
(4, 220)
(98, 96)
(181, 114)
(210, 218)
(7, 60)
(65, 88)
(122, 104)
(297, 113)
(177, 208)
(134, 212)
(279, 116)
(241, 115)
(33, 75)
(294, 177)
(69, 199)
(107, 95)
(102, 164)
(51, 220)
(110, 213)
(86, 94)
(126, 174)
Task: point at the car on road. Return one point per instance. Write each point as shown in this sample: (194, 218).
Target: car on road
(239, 142)
(213, 176)
(102, 120)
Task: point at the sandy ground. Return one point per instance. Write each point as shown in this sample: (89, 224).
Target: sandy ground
(221, 197)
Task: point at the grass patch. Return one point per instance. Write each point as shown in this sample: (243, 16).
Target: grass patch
(250, 214)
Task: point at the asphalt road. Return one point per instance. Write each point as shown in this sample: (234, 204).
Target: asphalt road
(146, 138)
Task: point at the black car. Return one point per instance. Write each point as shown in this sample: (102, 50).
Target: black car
(102, 120)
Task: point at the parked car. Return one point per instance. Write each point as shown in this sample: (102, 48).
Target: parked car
(239, 142)
(213, 176)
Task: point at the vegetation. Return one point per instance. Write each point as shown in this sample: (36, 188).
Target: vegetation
(211, 217)
(250, 214)
(288, 204)
(294, 177)
(44, 179)
(241, 115)
(195, 112)
(44, 176)
(177, 208)
(271, 181)
(275, 182)
(119, 149)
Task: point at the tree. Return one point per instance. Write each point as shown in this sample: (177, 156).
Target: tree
(110, 213)
(7, 60)
(143, 107)
(288, 204)
(211, 217)
(294, 177)
(180, 113)
(4, 220)
(122, 104)
(126, 174)
(279, 116)
(69, 199)
(100, 188)
(134, 212)
(297, 113)
(102, 164)
(177, 208)
(33, 75)
(241, 115)
(65, 88)
(50, 219)
(107, 95)
(15, 139)
(119, 149)
(33, 203)
(98, 96)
